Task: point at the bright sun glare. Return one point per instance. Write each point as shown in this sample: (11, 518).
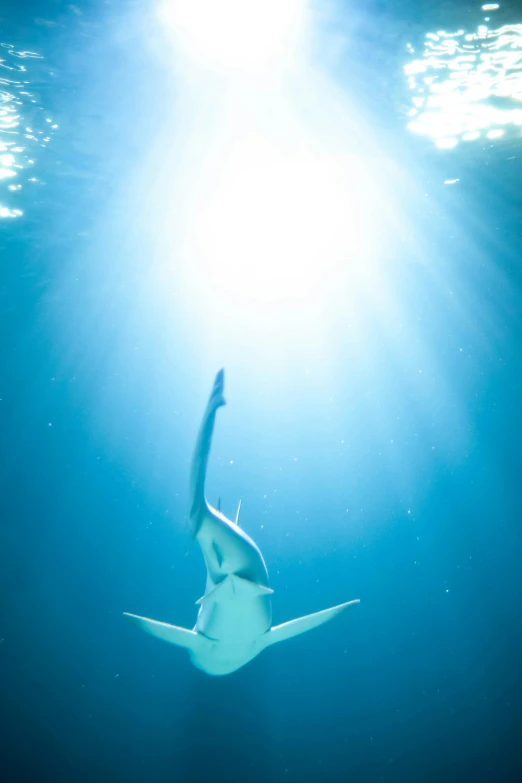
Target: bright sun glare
(276, 227)
(279, 202)
(235, 34)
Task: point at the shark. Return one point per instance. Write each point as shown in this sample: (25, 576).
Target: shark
(234, 621)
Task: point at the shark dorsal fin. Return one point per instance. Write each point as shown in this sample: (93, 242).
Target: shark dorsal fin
(219, 504)
(237, 514)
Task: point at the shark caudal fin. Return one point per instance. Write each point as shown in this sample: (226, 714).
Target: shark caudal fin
(169, 633)
(202, 451)
(302, 624)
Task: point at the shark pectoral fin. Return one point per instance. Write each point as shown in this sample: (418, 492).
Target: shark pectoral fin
(169, 633)
(294, 627)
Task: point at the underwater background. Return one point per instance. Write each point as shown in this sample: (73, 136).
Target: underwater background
(343, 236)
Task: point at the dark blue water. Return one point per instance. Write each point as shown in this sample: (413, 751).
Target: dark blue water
(373, 434)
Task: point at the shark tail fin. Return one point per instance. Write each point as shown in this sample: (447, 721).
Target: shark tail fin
(201, 453)
(169, 633)
(302, 624)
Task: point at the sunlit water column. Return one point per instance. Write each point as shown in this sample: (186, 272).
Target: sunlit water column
(281, 207)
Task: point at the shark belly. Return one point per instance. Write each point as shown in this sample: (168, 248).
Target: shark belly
(233, 624)
(227, 550)
(221, 659)
(236, 610)
(239, 619)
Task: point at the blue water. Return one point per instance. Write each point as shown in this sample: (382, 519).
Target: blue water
(372, 434)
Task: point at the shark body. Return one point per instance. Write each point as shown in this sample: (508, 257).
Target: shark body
(234, 622)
